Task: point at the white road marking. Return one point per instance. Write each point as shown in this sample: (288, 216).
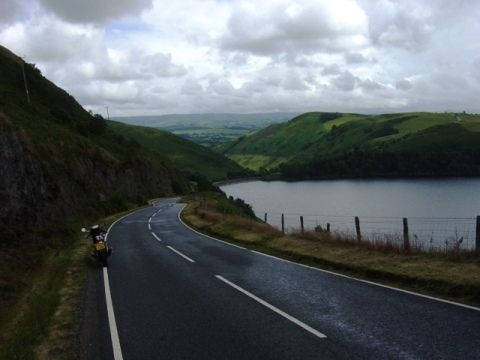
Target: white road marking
(149, 227)
(372, 283)
(117, 350)
(179, 253)
(155, 236)
(198, 232)
(149, 220)
(273, 308)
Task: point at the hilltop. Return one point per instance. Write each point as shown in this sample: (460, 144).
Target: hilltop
(60, 164)
(316, 145)
(186, 155)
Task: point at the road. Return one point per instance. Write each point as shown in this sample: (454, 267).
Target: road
(177, 294)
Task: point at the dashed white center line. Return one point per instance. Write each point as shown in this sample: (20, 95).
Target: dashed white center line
(149, 227)
(179, 253)
(155, 236)
(273, 308)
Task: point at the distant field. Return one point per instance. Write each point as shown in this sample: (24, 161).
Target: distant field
(209, 129)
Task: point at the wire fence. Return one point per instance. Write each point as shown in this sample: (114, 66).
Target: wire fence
(430, 234)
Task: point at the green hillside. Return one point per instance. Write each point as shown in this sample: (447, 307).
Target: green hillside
(185, 154)
(324, 144)
(59, 164)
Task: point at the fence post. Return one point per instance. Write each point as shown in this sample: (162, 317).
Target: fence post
(477, 240)
(265, 218)
(406, 236)
(283, 224)
(357, 228)
(328, 228)
(301, 223)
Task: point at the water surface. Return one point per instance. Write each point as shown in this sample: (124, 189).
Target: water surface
(438, 210)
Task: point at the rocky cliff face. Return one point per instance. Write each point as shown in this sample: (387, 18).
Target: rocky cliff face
(59, 163)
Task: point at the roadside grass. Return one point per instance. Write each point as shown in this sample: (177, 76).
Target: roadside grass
(41, 324)
(454, 276)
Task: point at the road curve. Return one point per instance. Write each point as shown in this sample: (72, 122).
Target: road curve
(177, 294)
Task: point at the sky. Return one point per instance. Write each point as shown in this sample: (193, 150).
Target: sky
(147, 57)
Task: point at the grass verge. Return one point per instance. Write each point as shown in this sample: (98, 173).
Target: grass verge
(41, 324)
(451, 277)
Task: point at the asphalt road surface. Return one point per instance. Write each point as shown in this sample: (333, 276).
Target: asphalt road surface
(176, 294)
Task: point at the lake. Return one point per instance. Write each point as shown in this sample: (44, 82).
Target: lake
(439, 211)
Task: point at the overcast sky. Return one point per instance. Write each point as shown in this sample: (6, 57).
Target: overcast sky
(193, 56)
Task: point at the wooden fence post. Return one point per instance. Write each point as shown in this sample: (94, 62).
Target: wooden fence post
(283, 224)
(301, 223)
(328, 228)
(477, 239)
(357, 228)
(265, 218)
(406, 236)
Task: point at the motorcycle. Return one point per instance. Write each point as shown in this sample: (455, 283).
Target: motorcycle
(101, 251)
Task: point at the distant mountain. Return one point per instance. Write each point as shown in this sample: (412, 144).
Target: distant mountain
(209, 129)
(59, 164)
(186, 155)
(315, 145)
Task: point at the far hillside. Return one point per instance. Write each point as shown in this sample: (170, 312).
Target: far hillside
(315, 145)
(209, 129)
(186, 155)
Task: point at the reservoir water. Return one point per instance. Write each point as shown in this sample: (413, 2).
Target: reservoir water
(440, 212)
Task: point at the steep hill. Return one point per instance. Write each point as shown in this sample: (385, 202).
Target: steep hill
(185, 154)
(334, 144)
(58, 163)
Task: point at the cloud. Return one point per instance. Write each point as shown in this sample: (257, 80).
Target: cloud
(354, 58)
(94, 11)
(345, 81)
(403, 85)
(143, 57)
(296, 28)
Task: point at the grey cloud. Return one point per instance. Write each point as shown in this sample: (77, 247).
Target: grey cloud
(370, 85)
(94, 11)
(345, 81)
(161, 65)
(403, 85)
(354, 58)
(191, 86)
(10, 11)
(332, 69)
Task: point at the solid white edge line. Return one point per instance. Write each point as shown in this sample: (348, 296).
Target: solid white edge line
(470, 307)
(179, 253)
(117, 350)
(149, 219)
(273, 308)
(208, 236)
(149, 227)
(155, 236)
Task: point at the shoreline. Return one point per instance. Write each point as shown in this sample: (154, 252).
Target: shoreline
(235, 181)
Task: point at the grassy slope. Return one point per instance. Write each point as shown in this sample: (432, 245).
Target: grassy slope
(453, 276)
(311, 135)
(186, 155)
